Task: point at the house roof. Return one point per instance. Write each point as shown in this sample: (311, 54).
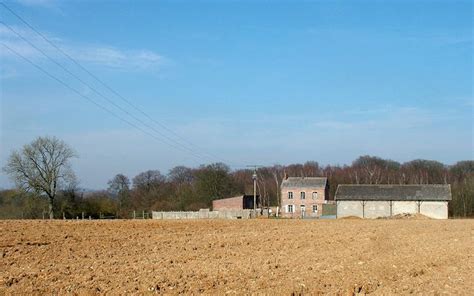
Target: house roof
(394, 192)
(302, 182)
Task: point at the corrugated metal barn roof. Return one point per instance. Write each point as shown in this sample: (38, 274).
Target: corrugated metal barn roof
(393, 192)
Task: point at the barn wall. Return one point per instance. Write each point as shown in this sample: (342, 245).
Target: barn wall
(346, 208)
(434, 209)
(404, 207)
(375, 209)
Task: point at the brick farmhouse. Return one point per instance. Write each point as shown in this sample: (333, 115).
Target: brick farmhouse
(303, 196)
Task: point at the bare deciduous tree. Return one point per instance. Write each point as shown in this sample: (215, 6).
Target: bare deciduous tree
(119, 184)
(119, 187)
(181, 175)
(43, 167)
(147, 180)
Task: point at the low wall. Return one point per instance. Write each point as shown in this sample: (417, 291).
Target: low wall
(224, 214)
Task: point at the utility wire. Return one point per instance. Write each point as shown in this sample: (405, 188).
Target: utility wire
(107, 86)
(96, 91)
(94, 102)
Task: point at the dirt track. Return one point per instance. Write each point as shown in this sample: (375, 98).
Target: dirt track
(236, 257)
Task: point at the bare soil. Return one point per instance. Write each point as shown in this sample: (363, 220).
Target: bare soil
(337, 257)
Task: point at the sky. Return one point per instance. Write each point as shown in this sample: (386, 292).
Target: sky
(240, 82)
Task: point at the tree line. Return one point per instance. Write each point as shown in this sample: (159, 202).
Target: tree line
(52, 188)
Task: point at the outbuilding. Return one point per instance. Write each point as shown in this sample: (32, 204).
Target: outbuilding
(374, 201)
(240, 202)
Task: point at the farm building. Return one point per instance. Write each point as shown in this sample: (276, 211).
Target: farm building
(240, 202)
(373, 201)
(303, 197)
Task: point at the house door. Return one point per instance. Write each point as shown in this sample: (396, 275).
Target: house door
(303, 211)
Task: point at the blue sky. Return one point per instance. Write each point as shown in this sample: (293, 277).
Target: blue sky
(248, 81)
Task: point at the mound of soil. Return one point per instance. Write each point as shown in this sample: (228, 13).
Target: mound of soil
(410, 216)
(351, 218)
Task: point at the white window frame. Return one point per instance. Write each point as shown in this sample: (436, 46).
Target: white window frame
(302, 195)
(302, 208)
(315, 195)
(290, 195)
(290, 209)
(315, 208)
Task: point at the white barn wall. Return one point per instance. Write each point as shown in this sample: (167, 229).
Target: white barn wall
(434, 209)
(375, 209)
(404, 207)
(346, 208)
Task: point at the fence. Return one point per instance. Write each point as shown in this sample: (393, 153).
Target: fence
(141, 215)
(205, 214)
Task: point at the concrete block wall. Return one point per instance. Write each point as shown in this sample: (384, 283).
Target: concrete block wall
(225, 214)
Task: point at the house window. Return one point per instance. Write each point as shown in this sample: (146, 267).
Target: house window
(315, 195)
(290, 209)
(303, 208)
(302, 194)
(315, 208)
(290, 195)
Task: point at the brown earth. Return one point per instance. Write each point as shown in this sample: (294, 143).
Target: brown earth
(338, 257)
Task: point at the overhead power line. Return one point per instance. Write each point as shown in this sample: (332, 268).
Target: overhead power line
(136, 108)
(94, 102)
(96, 91)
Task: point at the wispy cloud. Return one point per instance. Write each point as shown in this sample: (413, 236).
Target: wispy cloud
(6, 73)
(40, 3)
(117, 58)
(389, 117)
(96, 54)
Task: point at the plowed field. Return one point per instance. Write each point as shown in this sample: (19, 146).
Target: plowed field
(237, 257)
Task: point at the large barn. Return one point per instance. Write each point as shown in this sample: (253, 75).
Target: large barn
(373, 201)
